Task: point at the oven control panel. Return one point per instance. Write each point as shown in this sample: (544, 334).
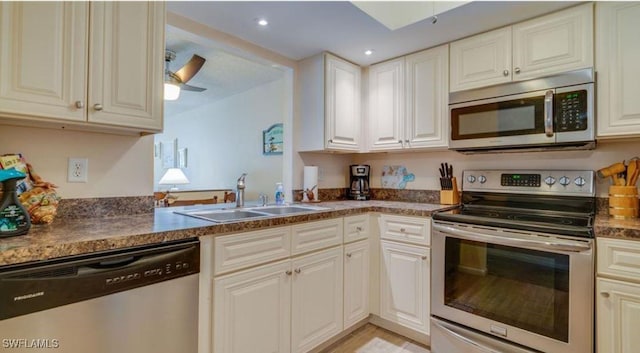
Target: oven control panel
(553, 182)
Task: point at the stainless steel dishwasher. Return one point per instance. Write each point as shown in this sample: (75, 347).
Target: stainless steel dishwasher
(137, 300)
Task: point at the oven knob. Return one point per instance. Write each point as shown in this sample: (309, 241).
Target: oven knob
(564, 181)
(549, 180)
(580, 181)
(471, 179)
(482, 179)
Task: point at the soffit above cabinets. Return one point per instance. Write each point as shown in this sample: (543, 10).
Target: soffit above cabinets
(300, 29)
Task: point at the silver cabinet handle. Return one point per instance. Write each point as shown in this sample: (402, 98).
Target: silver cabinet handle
(79, 104)
(97, 106)
(288, 273)
(516, 70)
(605, 294)
(548, 113)
(406, 141)
(349, 255)
(298, 270)
(423, 257)
(402, 230)
(505, 73)
(330, 141)
(359, 229)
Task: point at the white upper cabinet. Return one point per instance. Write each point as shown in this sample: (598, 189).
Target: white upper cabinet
(386, 105)
(43, 59)
(427, 98)
(481, 60)
(408, 100)
(555, 43)
(617, 58)
(126, 64)
(85, 65)
(330, 104)
(558, 42)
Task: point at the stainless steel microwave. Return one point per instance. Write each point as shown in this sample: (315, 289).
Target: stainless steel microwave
(555, 112)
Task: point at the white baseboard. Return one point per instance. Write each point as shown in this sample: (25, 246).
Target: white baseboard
(401, 330)
(340, 336)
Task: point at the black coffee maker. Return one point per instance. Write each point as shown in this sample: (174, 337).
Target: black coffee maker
(359, 181)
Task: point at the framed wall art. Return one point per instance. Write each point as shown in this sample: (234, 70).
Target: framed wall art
(272, 140)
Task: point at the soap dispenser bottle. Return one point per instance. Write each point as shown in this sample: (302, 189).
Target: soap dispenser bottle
(279, 194)
(14, 218)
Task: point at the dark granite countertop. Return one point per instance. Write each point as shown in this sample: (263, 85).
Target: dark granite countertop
(67, 237)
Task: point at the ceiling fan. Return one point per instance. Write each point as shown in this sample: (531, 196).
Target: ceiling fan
(175, 81)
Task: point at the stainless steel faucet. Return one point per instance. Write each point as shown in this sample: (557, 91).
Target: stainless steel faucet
(240, 191)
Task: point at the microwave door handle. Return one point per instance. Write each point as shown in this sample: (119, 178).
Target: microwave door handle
(548, 113)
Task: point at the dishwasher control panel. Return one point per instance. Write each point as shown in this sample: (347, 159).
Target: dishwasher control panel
(169, 269)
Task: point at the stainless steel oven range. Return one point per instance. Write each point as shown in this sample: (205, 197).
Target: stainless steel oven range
(513, 266)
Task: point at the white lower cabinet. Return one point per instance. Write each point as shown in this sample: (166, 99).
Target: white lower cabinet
(617, 296)
(404, 285)
(356, 282)
(618, 313)
(257, 294)
(316, 310)
(252, 310)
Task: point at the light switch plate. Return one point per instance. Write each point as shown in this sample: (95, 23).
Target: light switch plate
(78, 170)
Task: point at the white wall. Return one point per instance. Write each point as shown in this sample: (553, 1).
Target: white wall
(118, 165)
(425, 164)
(224, 140)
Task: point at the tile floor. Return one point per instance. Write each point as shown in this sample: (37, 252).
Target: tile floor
(373, 339)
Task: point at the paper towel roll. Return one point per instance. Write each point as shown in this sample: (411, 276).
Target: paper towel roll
(310, 180)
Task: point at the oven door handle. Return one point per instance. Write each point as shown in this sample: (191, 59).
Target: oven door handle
(461, 337)
(565, 245)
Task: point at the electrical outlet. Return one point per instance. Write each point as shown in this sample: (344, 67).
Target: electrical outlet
(78, 170)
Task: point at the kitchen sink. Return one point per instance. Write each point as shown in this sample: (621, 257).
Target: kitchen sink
(284, 210)
(221, 216)
(241, 214)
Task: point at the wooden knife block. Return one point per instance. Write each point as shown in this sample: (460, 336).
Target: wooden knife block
(450, 197)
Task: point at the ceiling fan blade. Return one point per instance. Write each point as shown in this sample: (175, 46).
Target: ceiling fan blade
(187, 87)
(190, 69)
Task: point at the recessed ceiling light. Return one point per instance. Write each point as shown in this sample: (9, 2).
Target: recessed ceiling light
(368, 52)
(262, 22)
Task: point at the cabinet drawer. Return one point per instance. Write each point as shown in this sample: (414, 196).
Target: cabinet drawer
(316, 235)
(619, 258)
(236, 251)
(415, 230)
(356, 228)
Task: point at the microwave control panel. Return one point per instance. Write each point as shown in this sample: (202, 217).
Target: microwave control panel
(571, 111)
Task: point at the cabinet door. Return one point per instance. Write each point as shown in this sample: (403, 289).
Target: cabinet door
(481, 60)
(404, 285)
(386, 105)
(617, 58)
(252, 310)
(43, 59)
(342, 99)
(618, 316)
(427, 98)
(356, 282)
(126, 64)
(559, 42)
(316, 310)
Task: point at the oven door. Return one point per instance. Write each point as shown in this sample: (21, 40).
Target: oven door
(533, 289)
(515, 120)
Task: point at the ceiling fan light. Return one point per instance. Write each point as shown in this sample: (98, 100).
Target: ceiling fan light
(171, 92)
